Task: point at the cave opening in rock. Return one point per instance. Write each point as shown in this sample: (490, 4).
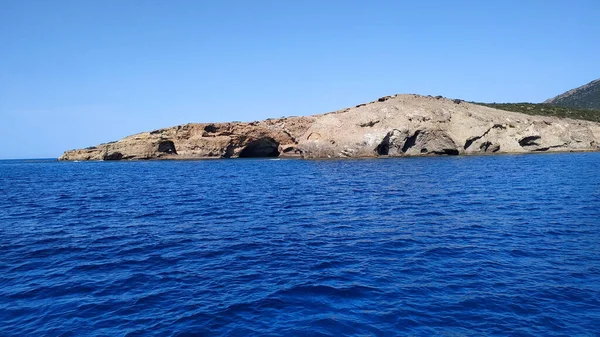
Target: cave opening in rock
(113, 156)
(448, 152)
(383, 149)
(167, 146)
(263, 147)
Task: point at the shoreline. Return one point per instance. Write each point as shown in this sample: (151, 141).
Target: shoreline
(188, 159)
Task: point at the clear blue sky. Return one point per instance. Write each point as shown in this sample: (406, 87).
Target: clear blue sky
(81, 72)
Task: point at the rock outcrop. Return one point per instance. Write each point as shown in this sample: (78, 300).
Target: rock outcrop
(399, 125)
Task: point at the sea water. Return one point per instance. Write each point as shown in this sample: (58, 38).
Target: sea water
(450, 246)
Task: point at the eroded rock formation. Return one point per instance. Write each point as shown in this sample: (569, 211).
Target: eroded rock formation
(399, 125)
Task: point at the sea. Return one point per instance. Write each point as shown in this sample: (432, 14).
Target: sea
(503, 245)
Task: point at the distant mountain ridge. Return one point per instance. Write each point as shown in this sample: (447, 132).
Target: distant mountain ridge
(584, 97)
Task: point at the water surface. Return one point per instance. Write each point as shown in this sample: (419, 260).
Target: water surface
(454, 246)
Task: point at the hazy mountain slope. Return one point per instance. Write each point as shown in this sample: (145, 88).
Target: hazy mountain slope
(584, 97)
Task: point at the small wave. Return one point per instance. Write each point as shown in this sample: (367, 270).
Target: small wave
(354, 291)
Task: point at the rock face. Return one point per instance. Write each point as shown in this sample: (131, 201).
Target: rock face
(399, 125)
(584, 97)
(269, 138)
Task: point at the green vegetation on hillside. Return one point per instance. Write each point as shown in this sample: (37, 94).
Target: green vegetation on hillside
(547, 110)
(581, 101)
(584, 97)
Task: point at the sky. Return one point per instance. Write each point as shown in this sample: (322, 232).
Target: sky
(78, 73)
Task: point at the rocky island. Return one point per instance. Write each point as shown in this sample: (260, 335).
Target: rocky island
(392, 126)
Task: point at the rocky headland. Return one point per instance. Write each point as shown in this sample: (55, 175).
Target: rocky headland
(393, 126)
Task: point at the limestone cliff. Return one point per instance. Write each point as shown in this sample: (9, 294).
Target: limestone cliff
(399, 125)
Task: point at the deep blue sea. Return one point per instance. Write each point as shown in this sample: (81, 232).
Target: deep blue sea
(445, 246)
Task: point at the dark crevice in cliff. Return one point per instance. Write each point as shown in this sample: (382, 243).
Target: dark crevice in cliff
(529, 141)
(411, 141)
(383, 149)
(473, 139)
(290, 135)
(369, 124)
(228, 151)
(484, 146)
(542, 149)
(470, 141)
(489, 147)
(263, 147)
